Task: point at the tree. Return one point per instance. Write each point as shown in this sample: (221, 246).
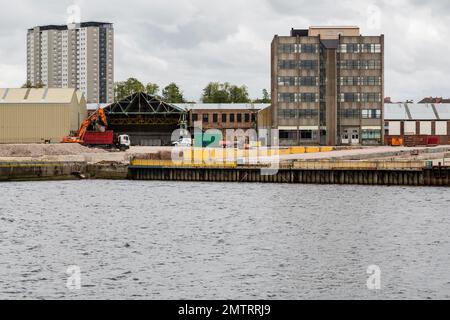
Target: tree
(126, 88)
(172, 94)
(216, 92)
(152, 89)
(28, 84)
(265, 97)
(239, 94)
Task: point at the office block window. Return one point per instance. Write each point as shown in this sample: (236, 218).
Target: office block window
(307, 97)
(308, 48)
(308, 81)
(224, 117)
(349, 97)
(306, 134)
(215, 117)
(371, 81)
(349, 81)
(371, 114)
(286, 97)
(359, 48)
(239, 117)
(349, 64)
(205, 118)
(194, 117)
(370, 134)
(286, 81)
(308, 64)
(287, 64)
(350, 113)
(370, 64)
(231, 117)
(352, 48)
(287, 113)
(286, 48)
(247, 117)
(288, 134)
(308, 113)
(371, 48)
(371, 97)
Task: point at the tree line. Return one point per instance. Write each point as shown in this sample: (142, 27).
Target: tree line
(214, 92)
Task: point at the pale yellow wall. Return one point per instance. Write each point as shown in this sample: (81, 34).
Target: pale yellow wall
(36, 122)
(265, 118)
(32, 123)
(79, 112)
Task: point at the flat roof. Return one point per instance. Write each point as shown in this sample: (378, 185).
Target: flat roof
(334, 27)
(417, 111)
(222, 106)
(65, 27)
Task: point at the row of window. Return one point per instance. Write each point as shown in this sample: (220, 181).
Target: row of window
(298, 97)
(360, 48)
(359, 81)
(360, 64)
(298, 48)
(298, 64)
(368, 134)
(297, 113)
(298, 81)
(365, 113)
(360, 97)
(292, 134)
(246, 117)
(344, 113)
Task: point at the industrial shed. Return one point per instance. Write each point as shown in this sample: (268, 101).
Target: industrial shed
(148, 120)
(417, 123)
(39, 115)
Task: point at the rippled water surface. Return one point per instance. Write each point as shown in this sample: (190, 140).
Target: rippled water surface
(172, 240)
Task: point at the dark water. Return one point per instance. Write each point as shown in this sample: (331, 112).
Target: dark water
(171, 240)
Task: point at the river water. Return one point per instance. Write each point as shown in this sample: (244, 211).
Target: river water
(176, 240)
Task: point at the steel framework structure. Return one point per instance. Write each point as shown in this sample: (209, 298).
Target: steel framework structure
(141, 103)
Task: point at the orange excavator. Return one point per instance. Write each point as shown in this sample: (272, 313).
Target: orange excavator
(93, 118)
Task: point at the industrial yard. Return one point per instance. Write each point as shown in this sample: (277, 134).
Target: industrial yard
(77, 152)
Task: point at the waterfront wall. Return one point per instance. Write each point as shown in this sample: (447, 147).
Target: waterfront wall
(28, 171)
(422, 177)
(325, 173)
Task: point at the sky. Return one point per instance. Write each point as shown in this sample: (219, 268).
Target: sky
(193, 42)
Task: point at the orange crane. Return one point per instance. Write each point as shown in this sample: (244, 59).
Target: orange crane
(97, 115)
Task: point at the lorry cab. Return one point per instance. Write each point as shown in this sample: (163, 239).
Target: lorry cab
(183, 142)
(123, 142)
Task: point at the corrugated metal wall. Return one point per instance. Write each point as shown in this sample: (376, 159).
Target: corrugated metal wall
(35, 123)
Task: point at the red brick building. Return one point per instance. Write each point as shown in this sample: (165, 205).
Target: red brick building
(417, 124)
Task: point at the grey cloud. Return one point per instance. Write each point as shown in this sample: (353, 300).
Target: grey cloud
(193, 42)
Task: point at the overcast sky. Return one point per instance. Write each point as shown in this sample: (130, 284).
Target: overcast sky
(193, 42)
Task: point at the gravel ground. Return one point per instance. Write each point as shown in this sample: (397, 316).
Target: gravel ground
(38, 150)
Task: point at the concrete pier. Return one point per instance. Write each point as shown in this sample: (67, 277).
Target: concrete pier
(30, 171)
(416, 177)
(333, 172)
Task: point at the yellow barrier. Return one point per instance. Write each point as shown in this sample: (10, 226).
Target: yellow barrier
(228, 154)
(284, 152)
(348, 164)
(170, 163)
(312, 149)
(297, 150)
